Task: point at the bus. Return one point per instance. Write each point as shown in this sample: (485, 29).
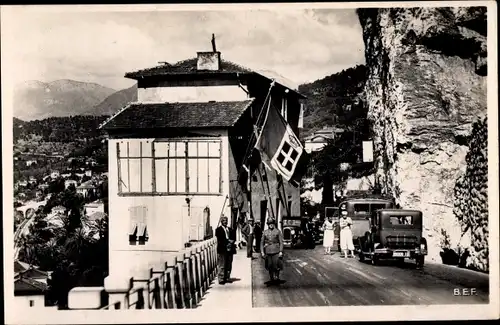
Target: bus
(359, 209)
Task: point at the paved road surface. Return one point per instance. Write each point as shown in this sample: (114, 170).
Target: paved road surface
(313, 279)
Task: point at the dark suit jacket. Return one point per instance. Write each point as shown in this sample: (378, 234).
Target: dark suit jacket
(222, 242)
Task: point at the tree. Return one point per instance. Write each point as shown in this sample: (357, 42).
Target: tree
(327, 194)
(57, 185)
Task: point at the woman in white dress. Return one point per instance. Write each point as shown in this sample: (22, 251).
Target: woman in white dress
(346, 243)
(328, 235)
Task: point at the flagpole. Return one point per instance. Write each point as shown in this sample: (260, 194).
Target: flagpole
(254, 134)
(268, 194)
(246, 156)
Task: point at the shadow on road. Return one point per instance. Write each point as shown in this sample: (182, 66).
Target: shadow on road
(274, 283)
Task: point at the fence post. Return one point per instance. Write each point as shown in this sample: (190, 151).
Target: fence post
(140, 299)
(206, 277)
(160, 297)
(189, 279)
(180, 281)
(209, 262)
(199, 269)
(150, 290)
(154, 295)
(203, 268)
(116, 289)
(215, 259)
(126, 303)
(192, 276)
(170, 285)
(213, 253)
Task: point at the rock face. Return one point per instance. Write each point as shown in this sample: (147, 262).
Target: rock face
(426, 87)
(471, 197)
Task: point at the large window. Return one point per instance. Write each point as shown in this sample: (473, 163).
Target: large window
(187, 166)
(135, 167)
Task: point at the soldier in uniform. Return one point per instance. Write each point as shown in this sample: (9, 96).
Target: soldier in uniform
(271, 248)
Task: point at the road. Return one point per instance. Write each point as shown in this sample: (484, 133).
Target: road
(311, 278)
(23, 228)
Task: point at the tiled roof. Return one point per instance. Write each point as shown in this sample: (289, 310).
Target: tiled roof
(20, 266)
(87, 184)
(188, 66)
(178, 115)
(97, 216)
(319, 137)
(26, 285)
(35, 274)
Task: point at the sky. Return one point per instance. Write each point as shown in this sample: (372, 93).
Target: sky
(302, 45)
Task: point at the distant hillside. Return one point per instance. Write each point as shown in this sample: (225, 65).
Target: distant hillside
(38, 100)
(59, 129)
(334, 100)
(114, 102)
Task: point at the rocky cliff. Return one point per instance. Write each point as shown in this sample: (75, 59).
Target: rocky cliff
(426, 87)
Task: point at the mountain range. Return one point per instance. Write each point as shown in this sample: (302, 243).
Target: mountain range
(333, 100)
(35, 100)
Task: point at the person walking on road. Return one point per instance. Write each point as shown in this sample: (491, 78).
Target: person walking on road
(346, 243)
(248, 231)
(271, 248)
(258, 236)
(309, 234)
(328, 235)
(225, 250)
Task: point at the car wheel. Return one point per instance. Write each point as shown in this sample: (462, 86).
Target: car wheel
(401, 261)
(420, 261)
(368, 242)
(361, 256)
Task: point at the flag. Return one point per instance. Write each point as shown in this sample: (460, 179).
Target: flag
(278, 144)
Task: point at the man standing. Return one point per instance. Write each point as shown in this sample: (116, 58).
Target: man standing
(258, 236)
(271, 249)
(308, 232)
(248, 232)
(225, 250)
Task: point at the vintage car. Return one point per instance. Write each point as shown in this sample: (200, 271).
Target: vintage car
(359, 209)
(293, 231)
(394, 234)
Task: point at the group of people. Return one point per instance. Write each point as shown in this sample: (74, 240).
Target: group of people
(268, 242)
(346, 242)
(252, 232)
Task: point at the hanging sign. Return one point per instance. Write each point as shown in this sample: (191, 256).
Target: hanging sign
(367, 151)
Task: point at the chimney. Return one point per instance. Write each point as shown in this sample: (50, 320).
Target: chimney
(209, 60)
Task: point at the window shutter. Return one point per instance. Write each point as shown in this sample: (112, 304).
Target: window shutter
(138, 224)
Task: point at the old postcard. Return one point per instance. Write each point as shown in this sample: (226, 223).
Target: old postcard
(257, 162)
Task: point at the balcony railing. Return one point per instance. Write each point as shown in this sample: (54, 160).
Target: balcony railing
(181, 283)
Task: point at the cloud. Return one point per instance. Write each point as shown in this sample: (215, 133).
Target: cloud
(302, 45)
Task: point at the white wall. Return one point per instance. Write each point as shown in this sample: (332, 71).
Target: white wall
(191, 94)
(91, 209)
(165, 221)
(314, 146)
(23, 302)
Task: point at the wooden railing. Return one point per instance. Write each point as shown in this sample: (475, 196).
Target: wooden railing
(181, 284)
